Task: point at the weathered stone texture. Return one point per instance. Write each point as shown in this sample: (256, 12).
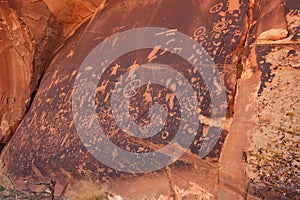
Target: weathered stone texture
(255, 45)
(16, 71)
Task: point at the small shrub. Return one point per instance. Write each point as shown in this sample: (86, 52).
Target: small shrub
(7, 188)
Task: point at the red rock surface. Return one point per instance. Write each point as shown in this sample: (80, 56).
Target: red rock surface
(246, 40)
(30, 36)
(16, 57)
(73, 12)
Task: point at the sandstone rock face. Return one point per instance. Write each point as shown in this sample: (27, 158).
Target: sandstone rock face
(45, 30)
(71, 13)
(274, 153)
(293, 21)
(16, 57)
(271, 15)
(30, 34)
(50, 117)
(272, 160)
(255, 46)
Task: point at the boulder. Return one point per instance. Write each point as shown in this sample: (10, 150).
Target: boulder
(273, 34)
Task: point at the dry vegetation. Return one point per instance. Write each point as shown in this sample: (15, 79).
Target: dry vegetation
(87, 190)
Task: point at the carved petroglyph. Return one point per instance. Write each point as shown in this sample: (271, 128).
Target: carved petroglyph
(216, 8)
